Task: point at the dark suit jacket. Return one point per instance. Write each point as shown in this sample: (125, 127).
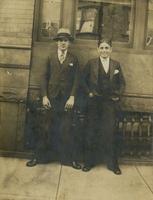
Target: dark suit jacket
(90, 77)
(60, 78)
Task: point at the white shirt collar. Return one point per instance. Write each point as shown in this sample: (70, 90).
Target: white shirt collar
(106, 60)
(60, 52)
(105, 63)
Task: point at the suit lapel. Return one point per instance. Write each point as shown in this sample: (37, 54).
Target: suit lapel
(56, 62)
(96, 70)
(111, 66)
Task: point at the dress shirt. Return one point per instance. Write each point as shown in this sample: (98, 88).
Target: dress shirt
(62, 55)
(105, 63)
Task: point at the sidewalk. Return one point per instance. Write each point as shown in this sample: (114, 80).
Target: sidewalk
(56, 182)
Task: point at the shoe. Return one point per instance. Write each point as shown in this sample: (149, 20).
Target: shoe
(76, 165)
(32, 163)
(86, 168)
(116, 170)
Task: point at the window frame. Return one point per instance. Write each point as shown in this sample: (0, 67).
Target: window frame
(136, 43)
(115, 43)
(150, 47)
(37, 21)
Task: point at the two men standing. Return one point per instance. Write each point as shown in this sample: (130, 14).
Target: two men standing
(103, 82)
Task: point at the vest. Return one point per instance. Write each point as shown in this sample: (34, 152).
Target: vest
(104, 88)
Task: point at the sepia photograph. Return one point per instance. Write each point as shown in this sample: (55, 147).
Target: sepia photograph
(76, 99)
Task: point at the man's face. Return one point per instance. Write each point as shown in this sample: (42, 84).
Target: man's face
(63, 44)
(104, 50)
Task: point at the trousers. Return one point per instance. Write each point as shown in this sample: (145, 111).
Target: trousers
(100, 135)
(57, 135)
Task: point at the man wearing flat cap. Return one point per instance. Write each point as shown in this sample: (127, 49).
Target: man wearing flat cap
(58, 89)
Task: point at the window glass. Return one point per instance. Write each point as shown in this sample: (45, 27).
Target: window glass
(149, 39)
(101, 18)
(49, 18)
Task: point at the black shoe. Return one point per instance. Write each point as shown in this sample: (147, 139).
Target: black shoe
(86, 168)
(76, 165)
(32, 163)
(116, 170)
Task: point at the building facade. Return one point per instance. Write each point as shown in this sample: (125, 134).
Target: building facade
(26, 31)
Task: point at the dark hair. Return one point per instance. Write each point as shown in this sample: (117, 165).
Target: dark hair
(106, 40)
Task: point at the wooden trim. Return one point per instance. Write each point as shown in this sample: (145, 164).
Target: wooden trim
(127, 2)
(36, 20)
(23, 101)
(6, 46)
(68, 14)
(147, 46)
(61, 14)
(140, 24)
(14, 66)
(34, 87)
(135, 95)
(132, 18)
(93, 42)
(17, 154)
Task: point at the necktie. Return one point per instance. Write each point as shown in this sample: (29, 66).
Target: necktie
(62, 57)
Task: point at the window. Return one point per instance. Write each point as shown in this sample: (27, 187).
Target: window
(101, 18)
(49, 18)
(149, 39)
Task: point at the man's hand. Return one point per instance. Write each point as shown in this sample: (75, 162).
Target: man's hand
(70, 103)
(46, 102)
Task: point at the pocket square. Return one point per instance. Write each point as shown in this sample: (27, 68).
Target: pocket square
(116, 71)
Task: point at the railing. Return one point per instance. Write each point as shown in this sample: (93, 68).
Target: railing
(134, 130)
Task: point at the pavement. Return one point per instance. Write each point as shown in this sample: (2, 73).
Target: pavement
(56, 182)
